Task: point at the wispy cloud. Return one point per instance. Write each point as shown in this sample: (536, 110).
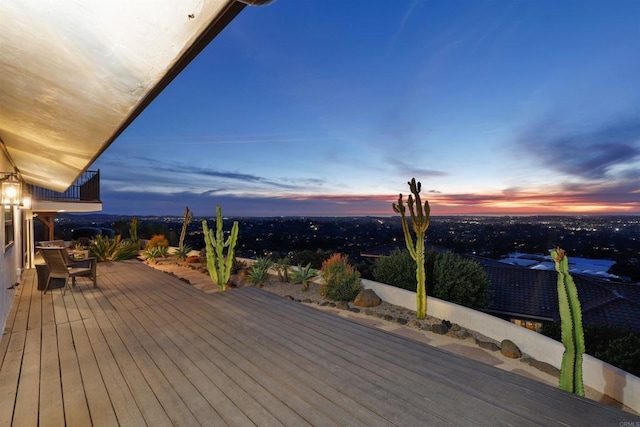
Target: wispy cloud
(592, 154)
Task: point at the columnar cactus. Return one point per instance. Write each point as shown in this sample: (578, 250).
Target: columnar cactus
(571, 325)
(218, 263)
(188, 217)
(133, 230)
(420, 223)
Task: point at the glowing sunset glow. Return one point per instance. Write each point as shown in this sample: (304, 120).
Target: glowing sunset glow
(298, 110)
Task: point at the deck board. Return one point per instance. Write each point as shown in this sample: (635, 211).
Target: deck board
(144, 348)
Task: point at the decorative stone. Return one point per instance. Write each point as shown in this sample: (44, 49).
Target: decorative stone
(413, 323)
(425, 326)
(367, 298)
(462, 334)
(439, 328)
(332, 304)
(354, 310)
(488, 345)
(387, 317)
(369, 312)
(324, 303)
(289, 297)
(401, 321)
(342, 305)
(455, 327)
(509, 349)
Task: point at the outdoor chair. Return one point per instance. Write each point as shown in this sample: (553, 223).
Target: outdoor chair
(61, 266)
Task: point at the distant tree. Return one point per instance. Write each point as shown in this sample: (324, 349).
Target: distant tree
(315, 258)
(460, 280)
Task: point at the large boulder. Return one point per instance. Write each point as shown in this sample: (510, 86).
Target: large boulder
(367, 298)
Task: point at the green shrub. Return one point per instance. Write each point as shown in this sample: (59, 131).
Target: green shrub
(157, 241)
(117, 249)
(624, 353)
(341, 282)
(615, 345)
(460, 281)
(397, 269)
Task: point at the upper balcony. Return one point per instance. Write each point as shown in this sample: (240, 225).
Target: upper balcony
(82, 196)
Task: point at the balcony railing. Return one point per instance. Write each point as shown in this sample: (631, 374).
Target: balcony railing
(84, 189)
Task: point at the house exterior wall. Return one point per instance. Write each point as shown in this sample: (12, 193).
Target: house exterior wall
(10, 257)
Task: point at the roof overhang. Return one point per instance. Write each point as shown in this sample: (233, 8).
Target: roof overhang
(74, 74)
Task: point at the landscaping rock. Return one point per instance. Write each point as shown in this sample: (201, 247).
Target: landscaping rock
(545, 367)
(440, 328)
(367, 298)
(509, 349)
(488, 345)
(462, 333)
(324, 303)
(413, 323)
(425, 326)
(342, 305)
(401, 321)
(369, 312)
(455, 327)
(354, 310)
(289, 297)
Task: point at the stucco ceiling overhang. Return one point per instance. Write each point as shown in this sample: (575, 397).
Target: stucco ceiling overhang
(74, 74)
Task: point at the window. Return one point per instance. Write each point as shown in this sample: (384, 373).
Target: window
(8, 227)
(534, 326)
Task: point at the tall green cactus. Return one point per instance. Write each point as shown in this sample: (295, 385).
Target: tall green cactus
(133, 230)
(188, 217)
(571, 324)
(219, 264)
(420, 223)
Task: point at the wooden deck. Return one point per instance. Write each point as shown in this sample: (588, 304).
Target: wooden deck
(146, 349)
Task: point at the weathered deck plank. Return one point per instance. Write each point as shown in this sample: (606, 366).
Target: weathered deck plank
(144, 348)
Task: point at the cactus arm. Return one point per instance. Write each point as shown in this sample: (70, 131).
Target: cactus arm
(231, 251)
(211, 256)
(399, 208)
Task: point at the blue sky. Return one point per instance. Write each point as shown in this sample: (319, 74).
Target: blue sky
(307, 107)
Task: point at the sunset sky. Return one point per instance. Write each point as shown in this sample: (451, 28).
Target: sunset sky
(329, 107)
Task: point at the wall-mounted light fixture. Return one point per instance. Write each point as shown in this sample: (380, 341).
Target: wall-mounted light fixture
(11, 189)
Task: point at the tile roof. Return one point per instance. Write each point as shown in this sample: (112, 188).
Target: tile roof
(533, 294)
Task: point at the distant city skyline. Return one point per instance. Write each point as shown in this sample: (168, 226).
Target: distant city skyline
(329, 108)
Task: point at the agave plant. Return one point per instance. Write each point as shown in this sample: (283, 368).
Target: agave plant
(113, 250)
(259, 272)
(182, 252)
(152, 254)
(303, 275)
